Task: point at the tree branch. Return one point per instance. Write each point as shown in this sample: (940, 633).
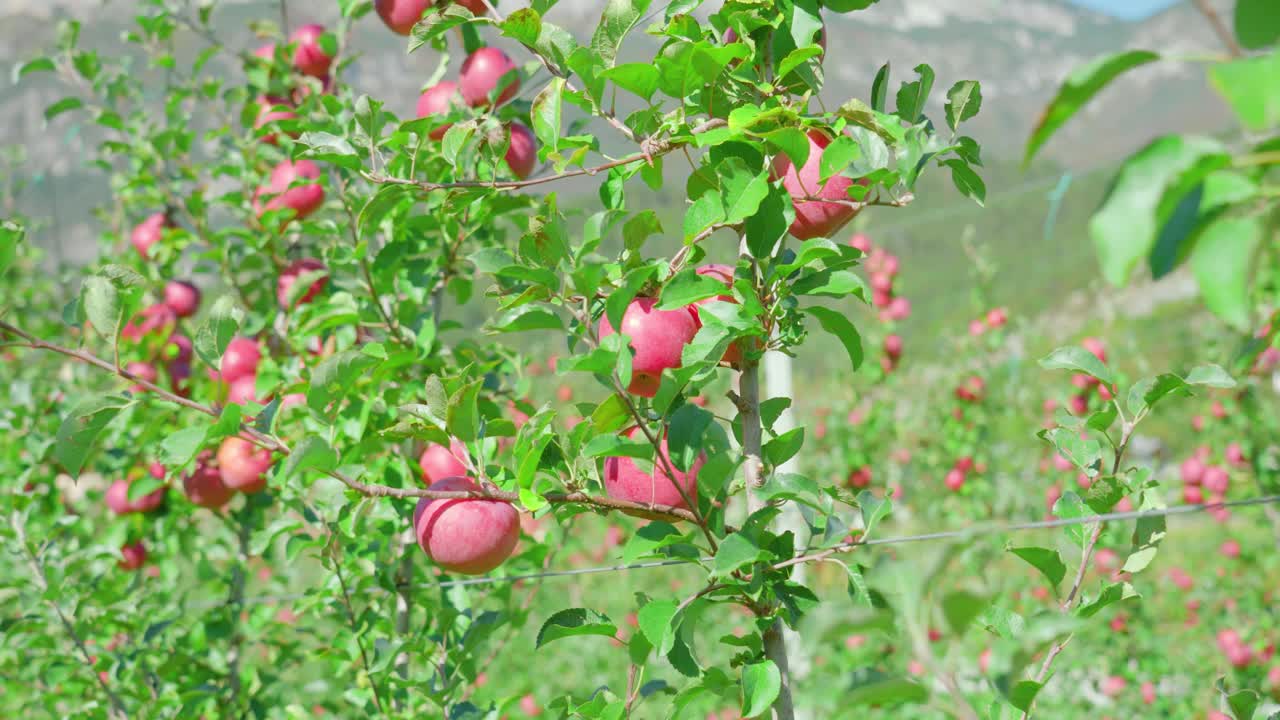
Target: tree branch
(1219, 28)
(664, 512)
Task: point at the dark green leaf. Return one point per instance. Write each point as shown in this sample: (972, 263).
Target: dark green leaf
(572, 622)
(840, 326)
(761, 683)
(964, 100)
(1080, 360)
(81, 428)
(1080, 87)
(1048, 562)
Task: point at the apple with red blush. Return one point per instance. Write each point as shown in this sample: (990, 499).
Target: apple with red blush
(291, 274)
(243, 465)
(440, 99)
(822, 208)
(148, 232)
(522, 151)
(470, 536)
(483, 72)
(625, 480)
(658, 338)
(293, 185)
(182, 298)
(438, 462)
(309, 56)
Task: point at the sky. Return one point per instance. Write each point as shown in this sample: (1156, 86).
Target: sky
(1127, 9)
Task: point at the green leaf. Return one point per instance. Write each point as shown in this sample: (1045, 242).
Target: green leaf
(66, 104)
(960, 608)
(523, 25)
(761, 683)
(618, 19)
(873, 510)
(143, 487)
(873, 687)
(82, 426)
(313, 453)
(840, 326)
(637, 78)
(1048, 562)
(964, 100)
(967, 181)
(1078, 89)
(40, 64)
(741, 190)
(784, 447)
(1148, 532)
(1223, 262)
(336, 377)
(767, 228)
(1257, 24)
(101, 302)
(912, 96)
(735, 551)
(1110, 595)
(655, 621)
(688, 287)
(221, 324)
(177, 449)
(572, 622)
(1252, 87)
(463, 414)
(1070, 507)
(686, 435)
(1144, 195)
(704, 212)
(329, 148)
(546, 113)
(1024, 693)
(12, 234)
(523, 318)
(1210, 375)
(879, 88)
(1243, 703)
(611, 445)
(1084, 453)
(1080, 360)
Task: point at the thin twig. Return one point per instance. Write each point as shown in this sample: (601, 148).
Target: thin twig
(1220, 28)
(355, 626)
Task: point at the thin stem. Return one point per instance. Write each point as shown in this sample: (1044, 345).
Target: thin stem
(235, 601)
(355, 626)
(1220, 28)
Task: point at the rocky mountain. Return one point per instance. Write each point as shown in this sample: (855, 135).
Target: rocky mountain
(1020, 50)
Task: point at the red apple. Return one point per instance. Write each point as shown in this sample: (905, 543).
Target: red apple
(482, 73)
(1216, 480)
(401, 15)
(157, 319)
(723, 273)
(439, 462)
(624, 480)
(997, 317)
(268, 113)
(529, 706)
(976, 328)
(439, 99)
(658, 338)
(205, 488)
(290, 274)
(1113, 686)
(303, 197)
(308, 57)
(144, 371)
(182, 298)
(1192, 470)
(465, 536)
(893, 346)
(133, 555)
(954, 479)
(117, 498)
(148, 233)
(1235, 455)
(1230, 549)
(240, 359)
(243, 465)
(522, 153)
(1148, 692)
(815, 218)
(477, 7)
(266, 52)
(1095, 346)
(243, 390)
